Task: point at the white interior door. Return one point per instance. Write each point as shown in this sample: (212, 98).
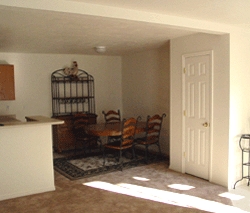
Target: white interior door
(197, 71)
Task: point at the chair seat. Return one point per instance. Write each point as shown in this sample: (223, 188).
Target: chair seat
(81, 135)
(116, 145)
(146, 142)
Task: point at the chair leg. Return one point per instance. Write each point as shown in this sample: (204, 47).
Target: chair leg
(81, 148)
(146, 154)
(100, 141)
(134, 156)
(75, 149)
(89, 146)
(103, 153)
(121, 160)
(108, 139)
(133, 152)
(159, 150)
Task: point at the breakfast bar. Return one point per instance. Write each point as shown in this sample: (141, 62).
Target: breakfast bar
(26, 156)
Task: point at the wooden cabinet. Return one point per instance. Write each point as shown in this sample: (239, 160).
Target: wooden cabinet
(7, 85)
(70, 95)
(63, 135)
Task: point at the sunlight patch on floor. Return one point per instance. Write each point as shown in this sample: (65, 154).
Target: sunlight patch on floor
(244, 191)
(232, 196)
(141, 178)
(181, 187)
(162, 196)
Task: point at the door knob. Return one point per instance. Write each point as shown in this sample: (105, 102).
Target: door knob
(205, 124)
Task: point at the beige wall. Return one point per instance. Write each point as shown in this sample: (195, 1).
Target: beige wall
(137, 84)
(26, 160)
(32, 81)
(239, 100)
(145, 85)
(33, 95)
(220, 102)
(231, 119)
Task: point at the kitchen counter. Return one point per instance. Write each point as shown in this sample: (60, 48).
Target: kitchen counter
(26, 156)
(10, 120)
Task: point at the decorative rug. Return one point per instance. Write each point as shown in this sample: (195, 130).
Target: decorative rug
(76, 168)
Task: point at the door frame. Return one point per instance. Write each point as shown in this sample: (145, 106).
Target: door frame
(211, 86)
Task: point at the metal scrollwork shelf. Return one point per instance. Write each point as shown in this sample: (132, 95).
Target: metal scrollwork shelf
(244, 144)
(72, 94)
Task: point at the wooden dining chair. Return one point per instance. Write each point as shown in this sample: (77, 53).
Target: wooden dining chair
(112, 116)
(126, 141)
(152, 134)
(88, 141)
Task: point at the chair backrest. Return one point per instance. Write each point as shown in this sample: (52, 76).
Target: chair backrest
(128, 131)
(80, 122)
(153, 127)
(112, 116)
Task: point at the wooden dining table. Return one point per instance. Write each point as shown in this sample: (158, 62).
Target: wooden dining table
(111, 129)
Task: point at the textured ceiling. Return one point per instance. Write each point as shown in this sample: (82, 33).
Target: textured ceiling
(26, 30)
(224, 11)
(44, 31)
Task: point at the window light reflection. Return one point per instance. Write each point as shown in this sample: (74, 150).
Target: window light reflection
(166, 197)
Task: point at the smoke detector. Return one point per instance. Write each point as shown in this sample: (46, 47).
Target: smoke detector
(100, 49)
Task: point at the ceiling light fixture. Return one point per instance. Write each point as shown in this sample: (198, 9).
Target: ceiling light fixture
(100, 49)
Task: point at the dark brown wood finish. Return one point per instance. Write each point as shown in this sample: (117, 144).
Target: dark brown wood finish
(152, 136)
(7, 84)
(111, 129)
(63, 135)
(81, 137)
(112, 116)
(126, 141)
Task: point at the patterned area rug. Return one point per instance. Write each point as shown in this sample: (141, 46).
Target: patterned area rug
(90, 166)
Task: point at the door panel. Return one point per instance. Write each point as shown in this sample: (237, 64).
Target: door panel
(197, 116)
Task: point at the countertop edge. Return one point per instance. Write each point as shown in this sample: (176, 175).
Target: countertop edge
(32, 120)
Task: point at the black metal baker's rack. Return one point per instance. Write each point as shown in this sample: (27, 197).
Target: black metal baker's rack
(72, 94)
(244, 144)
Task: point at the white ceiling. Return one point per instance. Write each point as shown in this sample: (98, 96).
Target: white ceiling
(44, 31)
(234, 12)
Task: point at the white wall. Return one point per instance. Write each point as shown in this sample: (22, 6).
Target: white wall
(239, 100)
(33, 85)
(26, 160)
(145, 83)
(235, 121)
(220, 103)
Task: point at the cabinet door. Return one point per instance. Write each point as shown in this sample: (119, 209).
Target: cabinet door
(63, 135)
(7, 85)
